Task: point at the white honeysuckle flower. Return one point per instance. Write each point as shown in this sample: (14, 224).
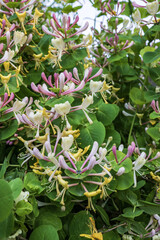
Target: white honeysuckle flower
(140, 161)
(14, 236)
(10, 54)
(62, 108)
(59, 44)
(120, 171)
(95, 86)
(23, 196)
(127, 237)
(126, 114)
(36, 118)
(19, 38)
(67, 142)
(121, 147)
(156, 237)
(152, 7)
(87, 101)
(18, 105)
(138, 164)
(137, 16)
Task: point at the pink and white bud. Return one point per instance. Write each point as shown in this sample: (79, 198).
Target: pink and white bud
(37, 153)
(114, 149)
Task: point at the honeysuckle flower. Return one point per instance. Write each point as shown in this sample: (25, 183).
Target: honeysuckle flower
(64, 165)
(120, 171)
(138, 164)
(95, 86)
(92, 153)
(21, 17)
(23, 196)
(19, 39)
(15, 235)
(131, 149)
(63, 109)
(18, 105)
(156, 237)
(151, 7)
(89, 195)
(95, 235)
(63, 31)
(59, 44)
(5, 80)
(127, 237)
(37, 15)
(67, 142)
(137, 16)
(8, 56)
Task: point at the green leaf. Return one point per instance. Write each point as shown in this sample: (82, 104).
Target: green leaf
(116, 137)
(90, 133)
(6, 117)
(79, 191)
(149, 208)
(51, 102)
(6, 227)
(6, 164)
(33, 76)
(76, 118)
(103, 214)
(13, 4)
(46, 217)
(16, 186)
(137, 96)
(106, 113)
(68, 61)
(44, 232)
(9, 130)
(6, 200)
(131, 212)
(32, 184)
(25, 91)
(44, 43)
(154, 115)
(125, 181)
(23, 208)
(57, 210)
(127, 163)
(150, 95)
(150, 57)
(154, 133)
(117, 57)
(111, 235)
(146, 49)
(79, 54)
(79, 224)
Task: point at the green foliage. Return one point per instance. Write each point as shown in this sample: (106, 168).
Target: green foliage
(6, 200)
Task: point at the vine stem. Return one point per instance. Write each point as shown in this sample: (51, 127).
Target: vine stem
(114, 227)
(130, 132)
(10, 165)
